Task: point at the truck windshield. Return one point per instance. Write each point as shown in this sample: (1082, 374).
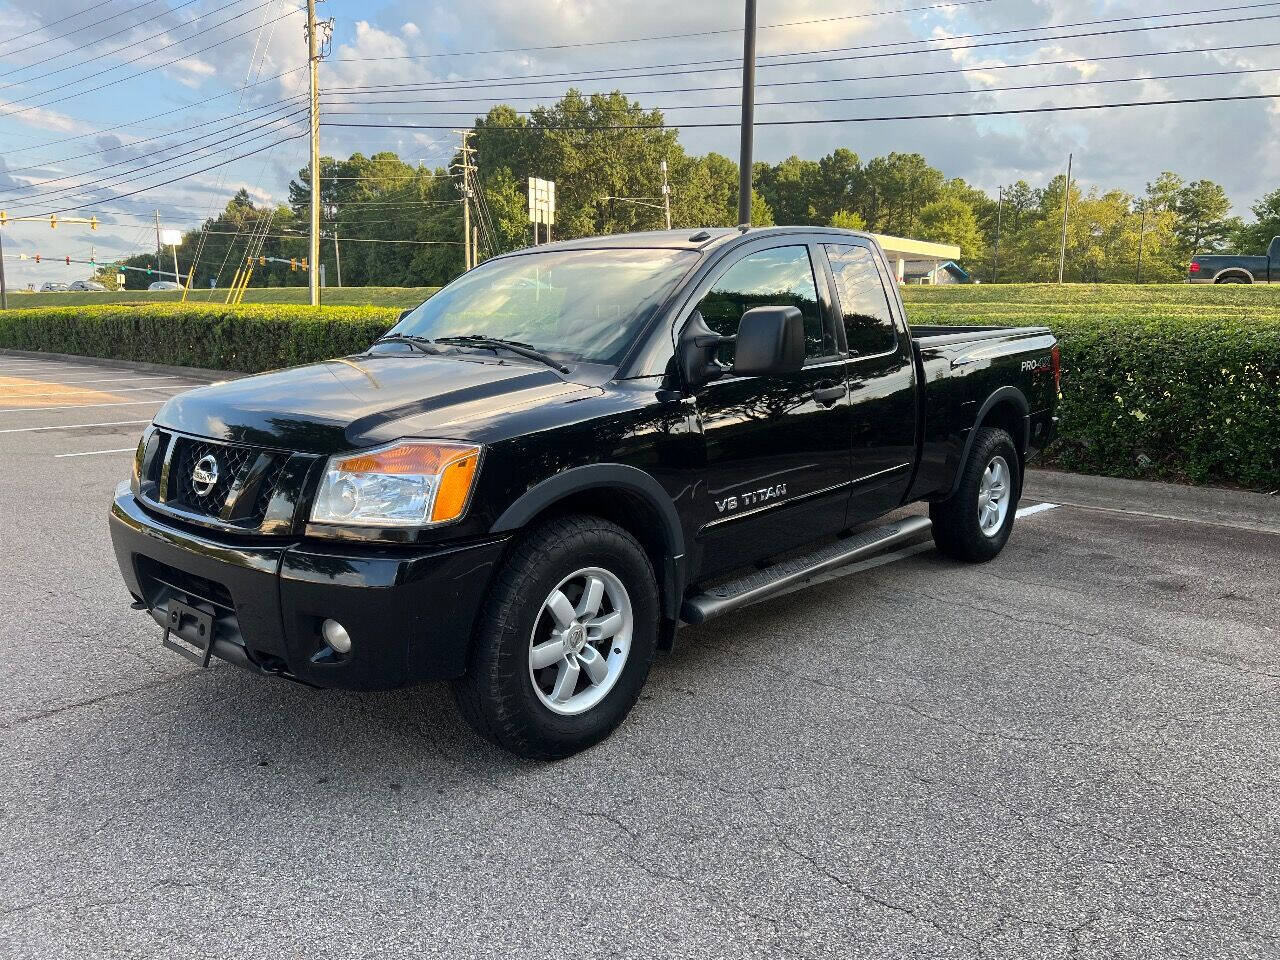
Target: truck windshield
(582, 304)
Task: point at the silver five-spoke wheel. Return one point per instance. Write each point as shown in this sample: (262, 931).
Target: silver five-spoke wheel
(994, 496)
(580, 641)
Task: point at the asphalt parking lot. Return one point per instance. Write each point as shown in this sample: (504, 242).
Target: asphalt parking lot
(1073, 751)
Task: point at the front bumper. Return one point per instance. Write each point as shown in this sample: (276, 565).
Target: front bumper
(410, 613)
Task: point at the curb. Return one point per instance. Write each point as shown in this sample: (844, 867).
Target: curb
(1170, 501)
(193, 373)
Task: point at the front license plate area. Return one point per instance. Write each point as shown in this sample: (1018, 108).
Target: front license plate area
(189, 632)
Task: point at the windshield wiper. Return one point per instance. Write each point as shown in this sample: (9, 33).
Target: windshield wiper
(515, 346)
(417, 343)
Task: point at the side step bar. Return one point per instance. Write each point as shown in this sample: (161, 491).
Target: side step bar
(724, 597)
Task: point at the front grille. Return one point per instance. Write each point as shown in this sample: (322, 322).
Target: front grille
(251, 474)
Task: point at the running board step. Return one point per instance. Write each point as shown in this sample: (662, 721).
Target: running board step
(764, 583)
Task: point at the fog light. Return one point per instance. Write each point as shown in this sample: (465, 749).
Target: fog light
(336, 636)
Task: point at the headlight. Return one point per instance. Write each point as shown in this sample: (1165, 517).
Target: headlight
(408, 484)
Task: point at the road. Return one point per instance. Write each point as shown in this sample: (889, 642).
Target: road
(1072, 751)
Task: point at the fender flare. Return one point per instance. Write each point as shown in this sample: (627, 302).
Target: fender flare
(1241, 272)
(1019, 400)
(595, 476)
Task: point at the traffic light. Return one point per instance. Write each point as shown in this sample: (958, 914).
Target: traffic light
(262, 261)
(53, 221)
(68, 261)
(93, 223)
(293, 265)
(304, 263)
(4, 218)
(37, 258)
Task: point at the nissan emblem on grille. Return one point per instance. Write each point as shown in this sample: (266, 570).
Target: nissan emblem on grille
(204, 477)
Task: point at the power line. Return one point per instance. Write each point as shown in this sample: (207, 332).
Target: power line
(185, 176)
(830, 120)
(870, 96)
(273, 108)
(64, 193)
(140, 73)
(54, 23)
(97, 40)
(154, 116)
(661, 71)
(858, 79)
(668, 36)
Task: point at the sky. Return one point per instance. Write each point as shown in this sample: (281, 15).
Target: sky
(119, 108)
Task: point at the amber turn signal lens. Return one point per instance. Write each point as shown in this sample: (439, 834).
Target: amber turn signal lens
(455, 486)
(409, 459)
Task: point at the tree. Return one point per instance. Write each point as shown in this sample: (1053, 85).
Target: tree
(951, 220)
(1202, 208)
(848, 220)
(1257, 236)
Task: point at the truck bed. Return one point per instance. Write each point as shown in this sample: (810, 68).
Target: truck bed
(938, 335)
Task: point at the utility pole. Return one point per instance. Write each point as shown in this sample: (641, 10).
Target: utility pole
(1142, 232)
(337, 258)
(995, 260)
(748, 114)
(4, 291)
(666, 194)
(1066, 205)
(159, 265)
(313, 63)
(466, 167)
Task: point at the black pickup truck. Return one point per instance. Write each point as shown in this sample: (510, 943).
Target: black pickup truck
(539, 474)
(1237, 268)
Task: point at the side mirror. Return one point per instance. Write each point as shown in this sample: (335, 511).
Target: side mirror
(770, 341)
(696, 353)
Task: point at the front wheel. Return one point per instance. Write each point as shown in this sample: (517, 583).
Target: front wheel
(565, 640)
(974, 523)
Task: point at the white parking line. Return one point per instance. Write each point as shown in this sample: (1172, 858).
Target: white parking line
(53, 366)
(63, 393)
(78, 406)
(68, 383)
(75, 426)
(1036, 508)
(90, 453)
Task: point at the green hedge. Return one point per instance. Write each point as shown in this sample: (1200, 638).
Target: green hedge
(1173, 382)
(1153, 387)
(248, 337)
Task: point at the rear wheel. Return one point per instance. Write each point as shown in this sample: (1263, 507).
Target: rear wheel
(1232, 280)
(974, 523)
(565, 640)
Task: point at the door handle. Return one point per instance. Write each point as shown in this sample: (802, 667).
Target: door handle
(830, 394)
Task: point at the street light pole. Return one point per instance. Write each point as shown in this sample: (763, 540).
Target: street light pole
(666, 194)
(995, 259)
(1066, 204)
(4, 291)
(313, 63)
(748, 114)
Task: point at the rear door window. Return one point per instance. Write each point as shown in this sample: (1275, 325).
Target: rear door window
(864, 303)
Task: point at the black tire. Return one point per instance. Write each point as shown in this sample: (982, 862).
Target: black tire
(497, 695)
(1232, 280)
(957, 530)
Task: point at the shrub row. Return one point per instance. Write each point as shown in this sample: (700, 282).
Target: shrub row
(1151, 388)
(1152, 391)
(248, 337)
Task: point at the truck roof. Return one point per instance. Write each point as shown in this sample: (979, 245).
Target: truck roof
(689, 238)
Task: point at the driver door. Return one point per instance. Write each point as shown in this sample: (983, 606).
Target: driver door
(776, 450)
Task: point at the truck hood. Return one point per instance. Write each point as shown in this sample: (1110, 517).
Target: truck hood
(361, 401)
